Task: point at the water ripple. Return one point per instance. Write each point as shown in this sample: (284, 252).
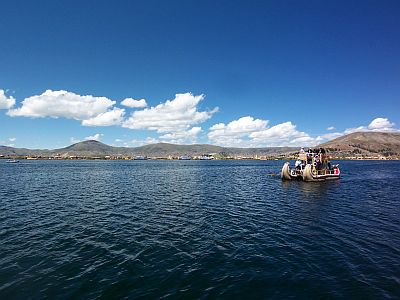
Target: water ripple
(197, 229)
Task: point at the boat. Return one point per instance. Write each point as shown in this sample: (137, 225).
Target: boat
(184, 157)
(313, 165)
(12, 161)
(140, 157)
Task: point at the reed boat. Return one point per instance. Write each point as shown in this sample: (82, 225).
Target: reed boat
(313, 165)
(291, 174)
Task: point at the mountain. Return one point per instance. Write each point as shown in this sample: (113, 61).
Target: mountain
(366, 144)
(355, 144)
(88, 149)
(165, 149)
(11, 151)
(98, 149)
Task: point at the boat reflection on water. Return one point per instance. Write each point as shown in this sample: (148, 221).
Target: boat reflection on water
(315, 189)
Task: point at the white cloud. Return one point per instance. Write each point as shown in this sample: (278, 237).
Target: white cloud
(6, 102)
(174, 115)
(118, 141)
(355, 129)
(182, 137)
(284, 134)
(63, 104)
(112, 117)
(381, 124)
(233, 133)
(331, 128)
(240, 127)
(250, 132)
(132, 103)
(378, 124)
(96, 137)
(147, 141)
(74, 140)
(329, 136)
(12, 139)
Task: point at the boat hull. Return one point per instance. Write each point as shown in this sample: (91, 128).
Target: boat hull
(287, 174)
(308, 175)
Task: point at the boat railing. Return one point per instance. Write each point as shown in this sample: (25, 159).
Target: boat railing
(327, 172)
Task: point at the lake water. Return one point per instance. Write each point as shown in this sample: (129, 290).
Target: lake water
(197, 229)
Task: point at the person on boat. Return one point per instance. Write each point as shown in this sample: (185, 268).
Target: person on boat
(309, 156)
(302, 154)
(322, 155)
(317, 162)
(297, 164)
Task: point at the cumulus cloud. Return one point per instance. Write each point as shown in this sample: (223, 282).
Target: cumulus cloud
(377, 124)
(112, 117)
(174, 115)
(95, 137)
(63, 104)
(281, 135)
(12, 139)
(232, 134)
(238, 128)
(181, 137)
(6, 102)
(381, 124)
(132, 103)
(331, 128)
(250, 132)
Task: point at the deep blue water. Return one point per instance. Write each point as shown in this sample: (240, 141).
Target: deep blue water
(197, 229)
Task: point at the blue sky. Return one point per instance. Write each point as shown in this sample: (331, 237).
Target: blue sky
(240, 73)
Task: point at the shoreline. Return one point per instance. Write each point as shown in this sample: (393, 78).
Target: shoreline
(191, 159)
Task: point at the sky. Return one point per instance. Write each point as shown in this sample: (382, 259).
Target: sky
(230, 73)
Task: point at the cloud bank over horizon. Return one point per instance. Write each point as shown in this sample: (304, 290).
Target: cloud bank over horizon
(175, 121)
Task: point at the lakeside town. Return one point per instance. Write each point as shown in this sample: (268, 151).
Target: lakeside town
(355, 146)
(210, 156)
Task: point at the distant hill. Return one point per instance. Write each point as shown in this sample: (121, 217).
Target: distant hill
(89, 149)
(366, 144)
(11, 151)
(98, 149)
(356, 144)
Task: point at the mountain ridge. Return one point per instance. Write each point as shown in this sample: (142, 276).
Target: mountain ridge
(359, 143)
(366, 144)
(94, 148)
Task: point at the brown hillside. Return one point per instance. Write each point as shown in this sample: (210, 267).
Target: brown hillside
(366, 143)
